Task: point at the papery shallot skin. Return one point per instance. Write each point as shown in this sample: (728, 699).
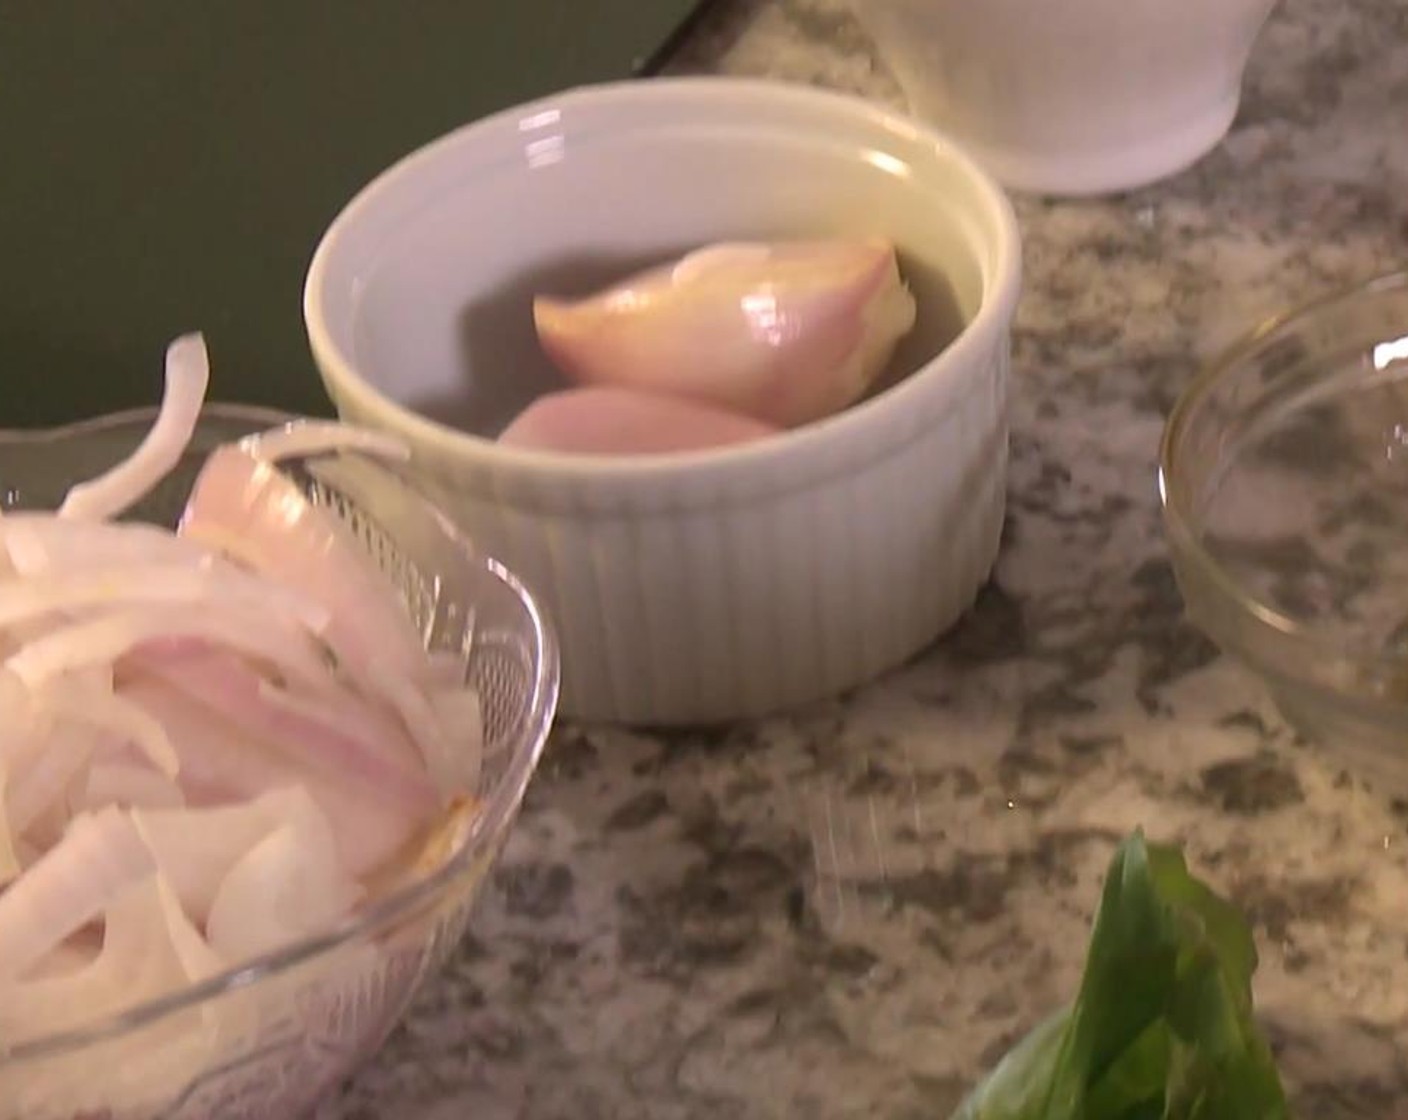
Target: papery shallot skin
(786, 333)
(615, 421)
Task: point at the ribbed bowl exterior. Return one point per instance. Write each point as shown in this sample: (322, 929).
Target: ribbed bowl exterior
(687, 603)
(715, 585)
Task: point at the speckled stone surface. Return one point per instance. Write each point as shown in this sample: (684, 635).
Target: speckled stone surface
(853, 911)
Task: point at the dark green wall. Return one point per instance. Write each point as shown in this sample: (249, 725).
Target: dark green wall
(168, 165)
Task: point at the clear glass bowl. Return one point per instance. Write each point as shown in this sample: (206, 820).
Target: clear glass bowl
(1284, 474)
(266, 1040)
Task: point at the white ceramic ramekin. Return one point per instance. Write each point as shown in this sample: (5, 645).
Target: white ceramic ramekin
(1072, 97)
(706, 586)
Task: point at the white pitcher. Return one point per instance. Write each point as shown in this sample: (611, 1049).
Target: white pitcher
(1072, 97)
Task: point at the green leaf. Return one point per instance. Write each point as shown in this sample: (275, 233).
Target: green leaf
(1162, 1027)
(1019, 1083)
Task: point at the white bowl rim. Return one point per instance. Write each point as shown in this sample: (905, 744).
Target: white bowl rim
(974, 342)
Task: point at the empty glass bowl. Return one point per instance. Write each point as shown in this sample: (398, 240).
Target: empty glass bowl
(266, 1040)
(1284, 476)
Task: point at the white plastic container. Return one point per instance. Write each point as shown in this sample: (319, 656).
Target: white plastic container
(706, 586)
(1071, 97)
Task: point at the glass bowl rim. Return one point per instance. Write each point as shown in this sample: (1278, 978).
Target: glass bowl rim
(1176, 499)
(486, 827)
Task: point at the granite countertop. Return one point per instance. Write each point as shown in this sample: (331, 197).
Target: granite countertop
(851, 912)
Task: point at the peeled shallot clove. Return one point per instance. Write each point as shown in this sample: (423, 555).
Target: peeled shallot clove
(606, 421)
(786, 333)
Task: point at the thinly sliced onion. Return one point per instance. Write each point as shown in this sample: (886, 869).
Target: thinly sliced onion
(43, 786)
(304, 438)
(18, 739)
(25, 600)
(104, 639)
(220, 764)
(129, 785)
(210, 744)
(109, 713)
(287, 886)
(98, 860)
(459, 712)
(447, 767)
(149, 949)
(77, 953)
(28, 851)
(187, 375)
(42, 545)
(46, 755)
(447, 669)
(307, 727)
(248, 507)
(10, 865)
(376, 733)
(196, 848)
(202, 578)
(88, 705)
(39, 543)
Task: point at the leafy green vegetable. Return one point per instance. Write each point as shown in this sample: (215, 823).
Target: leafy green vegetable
(1162, 1028)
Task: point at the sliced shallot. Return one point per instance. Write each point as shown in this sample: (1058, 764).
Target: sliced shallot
(41, 786)
(195, 849)
(289, 885)
(105, 638)
(152, 579)
(374, 751)
(221, 764)
(246, 507)
(129, 785)
(97, 861)
(187, 374)
(213, 742)
(10, 865)
(149, 949)
(103, 712)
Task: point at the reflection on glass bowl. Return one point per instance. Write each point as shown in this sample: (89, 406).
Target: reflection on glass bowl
(1284, 476)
